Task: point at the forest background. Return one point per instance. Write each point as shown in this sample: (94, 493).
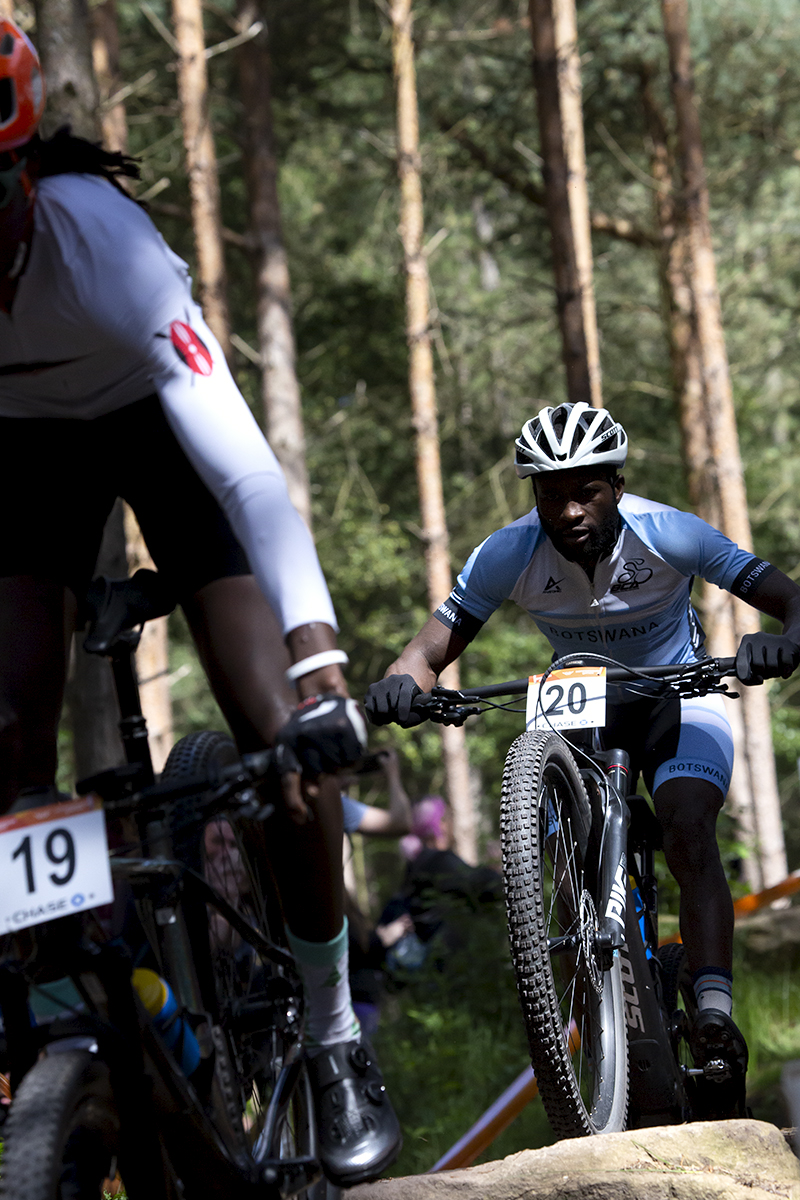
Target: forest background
(496, 339)
(498, 353)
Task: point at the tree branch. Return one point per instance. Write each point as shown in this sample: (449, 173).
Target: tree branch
(617, 227)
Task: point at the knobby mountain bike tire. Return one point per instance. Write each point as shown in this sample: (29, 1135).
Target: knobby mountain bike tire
(572, 1008)
(62, 1134)
(255, 999)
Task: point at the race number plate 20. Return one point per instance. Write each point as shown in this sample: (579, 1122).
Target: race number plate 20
(574, 698)
(53, 862)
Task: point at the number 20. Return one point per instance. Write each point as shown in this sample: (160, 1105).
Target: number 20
(576, 698)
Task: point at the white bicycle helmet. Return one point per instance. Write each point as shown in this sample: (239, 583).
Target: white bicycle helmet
(571, 435)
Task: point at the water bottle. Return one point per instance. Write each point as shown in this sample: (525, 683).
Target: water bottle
(157, 998)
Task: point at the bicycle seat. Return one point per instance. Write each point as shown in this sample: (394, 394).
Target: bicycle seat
(118, 605)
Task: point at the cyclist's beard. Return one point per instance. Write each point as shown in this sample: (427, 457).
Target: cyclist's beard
(601, 541)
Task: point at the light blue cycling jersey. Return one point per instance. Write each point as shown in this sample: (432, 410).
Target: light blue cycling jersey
(637, 609)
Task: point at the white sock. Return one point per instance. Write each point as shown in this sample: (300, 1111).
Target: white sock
(713, 988)
(323, 969)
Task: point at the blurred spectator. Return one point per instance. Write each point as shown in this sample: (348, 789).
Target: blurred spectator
(368, 819)
(437, 884)
(367, 946)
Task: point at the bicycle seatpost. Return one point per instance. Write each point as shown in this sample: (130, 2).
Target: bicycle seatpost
(132, 725)
(614, 862)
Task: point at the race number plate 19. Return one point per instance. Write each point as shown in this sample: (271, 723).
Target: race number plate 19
(574, 698)
(53, 862)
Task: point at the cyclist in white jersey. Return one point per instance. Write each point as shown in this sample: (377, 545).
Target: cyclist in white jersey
(601, 571)
(111, 384)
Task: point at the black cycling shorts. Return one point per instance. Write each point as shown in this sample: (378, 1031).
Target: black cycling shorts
(60, 477)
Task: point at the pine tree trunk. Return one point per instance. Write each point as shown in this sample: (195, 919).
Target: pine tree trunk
(757, 764)
(64, 45)
(105, 58)
(152, 658)
(280, 387)
(201, 167)
(423, 405)
(687, 380)
(556, 73)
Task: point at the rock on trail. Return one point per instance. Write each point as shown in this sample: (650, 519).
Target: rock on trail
(708, 1160)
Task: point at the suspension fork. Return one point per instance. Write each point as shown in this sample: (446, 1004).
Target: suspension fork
(613, 881)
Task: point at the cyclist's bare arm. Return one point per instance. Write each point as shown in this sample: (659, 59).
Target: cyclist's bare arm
(396, 820)
(427, 655)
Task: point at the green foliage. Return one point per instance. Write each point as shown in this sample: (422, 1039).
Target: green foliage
(494, 326)
(451, 1040)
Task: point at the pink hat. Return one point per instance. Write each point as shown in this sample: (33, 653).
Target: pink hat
(428, 816)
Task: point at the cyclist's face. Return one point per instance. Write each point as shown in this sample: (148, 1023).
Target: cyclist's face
(578, 510)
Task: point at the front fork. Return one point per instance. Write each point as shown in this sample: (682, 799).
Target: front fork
(614, 860)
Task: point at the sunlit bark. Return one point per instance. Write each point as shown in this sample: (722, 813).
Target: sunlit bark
(728, 619)
(423, 404)
(280, 388)
(201, 167)
(556, 72)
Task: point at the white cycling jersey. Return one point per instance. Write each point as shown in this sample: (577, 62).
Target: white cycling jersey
(637, 609)
(103, 317)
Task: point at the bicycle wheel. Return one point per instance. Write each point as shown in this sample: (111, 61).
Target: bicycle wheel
(61, 1138)
(258, 1003)
(572, 1008)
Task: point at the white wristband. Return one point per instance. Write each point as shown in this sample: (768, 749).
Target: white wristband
(326, 658)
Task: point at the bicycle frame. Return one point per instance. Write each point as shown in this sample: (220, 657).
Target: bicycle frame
(159, 1107)
(630, 932)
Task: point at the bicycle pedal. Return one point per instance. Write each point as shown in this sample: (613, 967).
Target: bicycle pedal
(717, 1070)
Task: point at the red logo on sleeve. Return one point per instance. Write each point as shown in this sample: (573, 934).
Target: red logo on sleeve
(190, 348)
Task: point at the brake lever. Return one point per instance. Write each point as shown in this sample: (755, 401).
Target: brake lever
(454, 716)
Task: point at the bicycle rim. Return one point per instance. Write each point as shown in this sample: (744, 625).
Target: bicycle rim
(572, 1008)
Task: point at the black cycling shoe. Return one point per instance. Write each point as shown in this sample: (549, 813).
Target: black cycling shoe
(718, 1046)
(359, 1134)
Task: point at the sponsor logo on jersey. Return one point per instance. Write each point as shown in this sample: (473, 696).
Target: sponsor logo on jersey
(190, 348)
(634, 573)
(552, 585)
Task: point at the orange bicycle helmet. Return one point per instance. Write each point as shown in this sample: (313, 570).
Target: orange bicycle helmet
(21, 87)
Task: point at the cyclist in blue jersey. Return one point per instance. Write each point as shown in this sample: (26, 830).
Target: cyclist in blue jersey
(601, 571)
(111, 384)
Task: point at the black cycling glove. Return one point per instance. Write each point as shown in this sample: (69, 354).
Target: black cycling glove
(766, 655)
(323, 734)
(390, 700)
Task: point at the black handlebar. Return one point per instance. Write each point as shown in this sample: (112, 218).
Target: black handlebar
(712, 670)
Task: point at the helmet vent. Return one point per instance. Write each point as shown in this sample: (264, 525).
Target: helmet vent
(7, 45)
(8, 100)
